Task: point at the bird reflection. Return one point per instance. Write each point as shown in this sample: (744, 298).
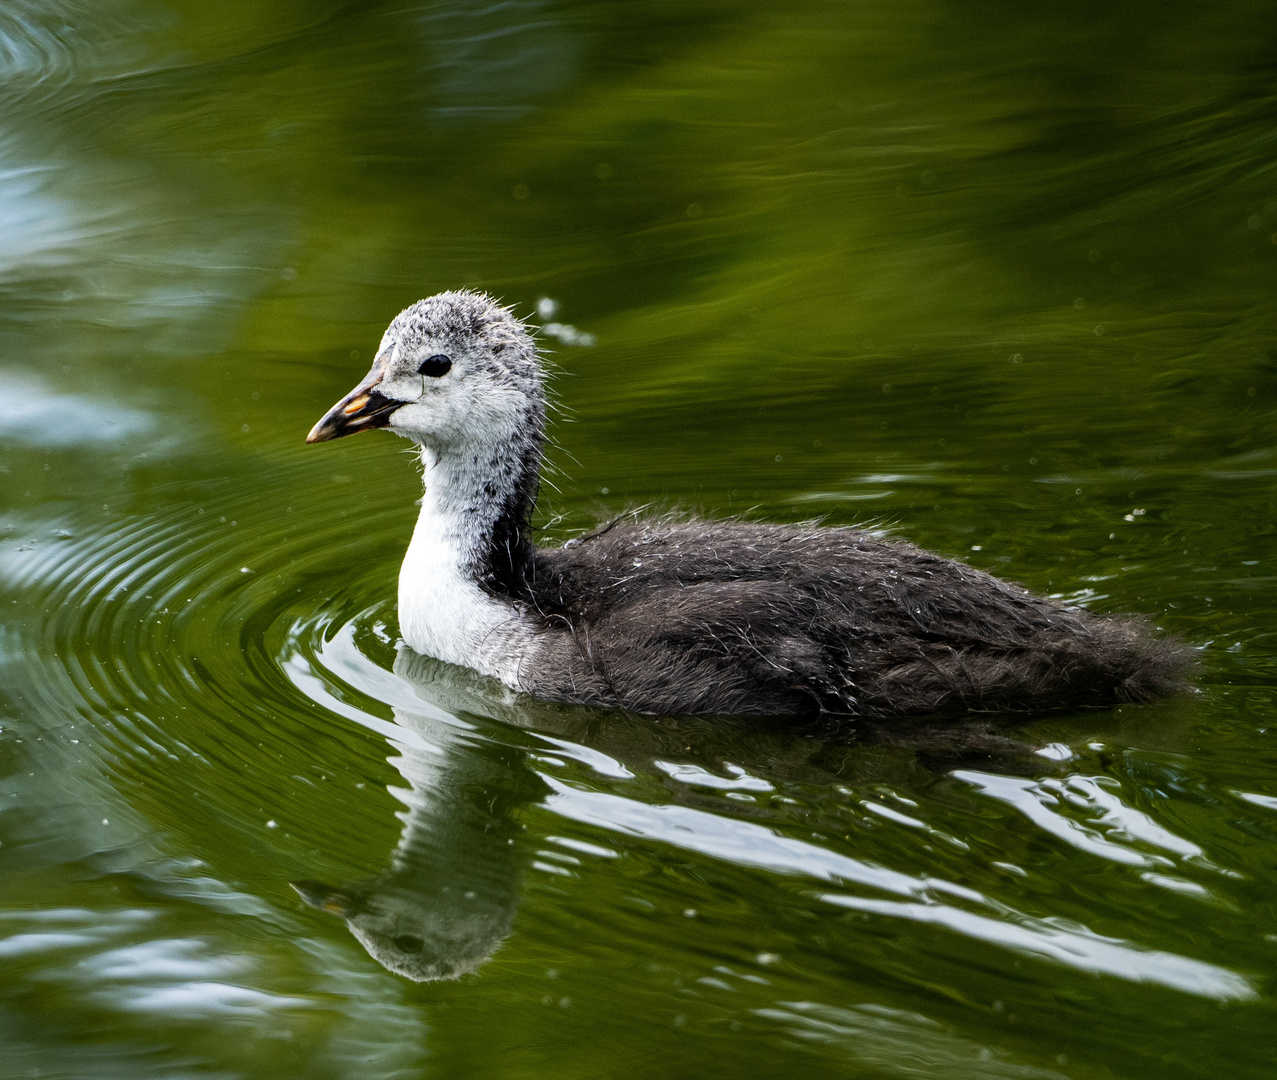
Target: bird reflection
(449, 896)
(448, 899)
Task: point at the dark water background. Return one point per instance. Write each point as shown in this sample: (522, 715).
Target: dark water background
(999, 276)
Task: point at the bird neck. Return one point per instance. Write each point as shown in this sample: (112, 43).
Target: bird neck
(477, 511)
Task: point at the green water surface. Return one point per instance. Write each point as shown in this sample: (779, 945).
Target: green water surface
(999, 277)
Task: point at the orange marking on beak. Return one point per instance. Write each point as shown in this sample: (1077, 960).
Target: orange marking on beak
(356, 405)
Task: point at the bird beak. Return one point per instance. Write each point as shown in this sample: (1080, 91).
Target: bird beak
(324, 897)
(361, 409)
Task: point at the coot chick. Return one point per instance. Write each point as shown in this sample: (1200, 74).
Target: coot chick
(701, 617)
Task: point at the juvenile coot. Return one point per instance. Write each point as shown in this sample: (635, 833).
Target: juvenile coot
(674, 618)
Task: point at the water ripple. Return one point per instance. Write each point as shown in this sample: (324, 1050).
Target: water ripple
(210, 612)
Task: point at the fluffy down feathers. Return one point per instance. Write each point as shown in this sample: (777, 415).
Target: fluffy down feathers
(735, 617)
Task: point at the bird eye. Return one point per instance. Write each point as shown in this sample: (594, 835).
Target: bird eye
(409, 943)
(435, 366)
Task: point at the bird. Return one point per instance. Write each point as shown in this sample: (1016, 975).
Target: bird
(663, 616)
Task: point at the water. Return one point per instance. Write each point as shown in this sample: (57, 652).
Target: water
(1000, 279)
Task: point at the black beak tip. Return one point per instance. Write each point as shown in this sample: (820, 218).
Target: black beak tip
(313, 892)
(361, 410)
(321, 897)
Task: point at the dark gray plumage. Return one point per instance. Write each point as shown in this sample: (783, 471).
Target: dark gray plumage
(739, 617)
(701, 617)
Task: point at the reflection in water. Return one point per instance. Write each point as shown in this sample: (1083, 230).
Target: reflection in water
(448, 898)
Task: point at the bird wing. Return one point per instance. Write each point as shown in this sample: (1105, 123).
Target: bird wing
(712, 647)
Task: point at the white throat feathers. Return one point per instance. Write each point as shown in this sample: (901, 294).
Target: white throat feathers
(464, 576)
